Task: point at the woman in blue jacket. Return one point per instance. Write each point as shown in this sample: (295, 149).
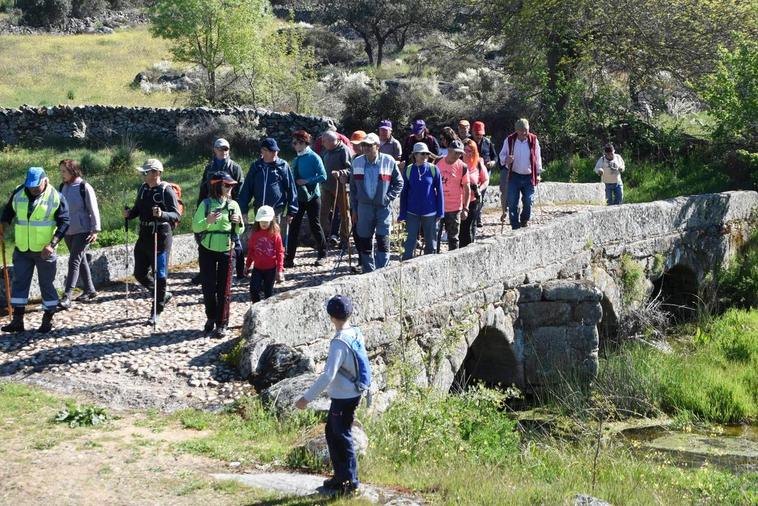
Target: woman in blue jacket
(421, 201)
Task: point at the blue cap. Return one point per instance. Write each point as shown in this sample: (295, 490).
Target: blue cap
(270, 144)
(34, 177)
(385, 123)
(339, 307)
(418, 126)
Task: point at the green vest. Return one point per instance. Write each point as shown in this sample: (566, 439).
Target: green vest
(215, 237)
(35, 232)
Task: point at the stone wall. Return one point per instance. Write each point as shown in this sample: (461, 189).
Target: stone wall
(429, 311)
(108, 123)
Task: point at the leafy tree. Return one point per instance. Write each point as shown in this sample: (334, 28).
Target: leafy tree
(213, 34)
(380, 21)
(44, 12)
(731, 92)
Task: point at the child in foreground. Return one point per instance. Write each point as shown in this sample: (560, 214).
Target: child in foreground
(265, 252)
(339, 379)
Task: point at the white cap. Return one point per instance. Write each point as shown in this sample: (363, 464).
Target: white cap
(371, 138)
(420, 147)
(151, 164)
(265, 213)
(221, 143)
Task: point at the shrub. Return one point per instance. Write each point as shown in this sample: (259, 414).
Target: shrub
(93, 163)
(738, 283)
(124, 156)
(632, 279)
(199, 136)
(44, 12)
(88, 8)
(81, 416)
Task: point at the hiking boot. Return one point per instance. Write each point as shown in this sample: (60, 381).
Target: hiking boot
(47, 322)
(479, 224)
(220, 333)
(347, 488)
(152, 320)
(209, 324)
(17, 323)
(65, 303)
(524, 224)
(332, 482)
(85, 297)
(289, 263)
(196, 279)
(333, 241)
(320, 261)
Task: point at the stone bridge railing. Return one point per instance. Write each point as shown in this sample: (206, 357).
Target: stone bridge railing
(430, 311)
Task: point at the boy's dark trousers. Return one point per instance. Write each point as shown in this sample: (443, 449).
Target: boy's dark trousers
(339, 439)
(262, 280)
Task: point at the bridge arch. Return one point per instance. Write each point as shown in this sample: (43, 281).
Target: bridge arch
(493, 359)
(678, 290)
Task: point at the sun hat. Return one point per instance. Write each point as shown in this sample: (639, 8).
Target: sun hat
(265, 213)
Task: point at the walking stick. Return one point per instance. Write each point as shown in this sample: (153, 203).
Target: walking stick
(126, 261)
(335, 203)
(6, 276)
(155, 276)
(228, 287)
(349, 227)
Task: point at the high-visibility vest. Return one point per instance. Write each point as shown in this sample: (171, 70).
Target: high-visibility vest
(35, 232)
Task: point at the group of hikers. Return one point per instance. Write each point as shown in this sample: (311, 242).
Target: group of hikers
(346, 186)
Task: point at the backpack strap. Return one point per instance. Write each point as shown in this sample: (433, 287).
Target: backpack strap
(82, 193)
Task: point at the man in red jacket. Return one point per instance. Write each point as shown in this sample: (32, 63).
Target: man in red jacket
(522, 158)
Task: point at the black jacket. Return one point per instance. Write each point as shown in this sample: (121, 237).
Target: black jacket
(231, 167)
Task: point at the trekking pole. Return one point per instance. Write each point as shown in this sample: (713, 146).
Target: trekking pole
(349, 227)
(439, 235)
(335, 203)
(228, 286)
(126, 261)
(5, 275)
(155, 276)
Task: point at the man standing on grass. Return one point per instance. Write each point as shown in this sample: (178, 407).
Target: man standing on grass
(609, 167)
(341, 367)
(41, 215)
(522, 158)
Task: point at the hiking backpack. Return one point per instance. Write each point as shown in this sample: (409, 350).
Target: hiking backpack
(82, 192)
(362, 380)
(177, 190)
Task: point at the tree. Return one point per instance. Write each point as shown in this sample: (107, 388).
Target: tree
(731, 93)
(213, 34)
(376, 21)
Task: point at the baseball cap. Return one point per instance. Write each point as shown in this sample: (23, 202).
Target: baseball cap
(339, 307)
(464, 122)
(221, 143)
(222, 177)
(420, 147)
(456, 146)
(270, 144)
(151, 164)
(371, 138)
(34, 177)
(357, 137)
(418, 126)
(265, 213)
(385, 123)
(478, 127)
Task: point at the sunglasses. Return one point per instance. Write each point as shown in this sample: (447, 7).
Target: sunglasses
(145, 173)
(223, 148)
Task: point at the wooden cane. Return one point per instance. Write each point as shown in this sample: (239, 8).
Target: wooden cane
(5, 275)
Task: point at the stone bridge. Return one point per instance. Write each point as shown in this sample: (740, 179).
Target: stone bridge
(525, 308)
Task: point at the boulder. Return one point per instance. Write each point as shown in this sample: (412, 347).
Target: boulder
(278, 362)
(283, 395)
(315, 443)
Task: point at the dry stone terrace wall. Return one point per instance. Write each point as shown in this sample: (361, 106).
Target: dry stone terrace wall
(109, 123)
(448, 301)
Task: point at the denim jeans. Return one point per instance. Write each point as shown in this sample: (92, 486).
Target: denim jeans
(428, 225)
(373, 222)
(614, 193)
(262, 280)
(24, 263)
(520, 185)
(339, 439)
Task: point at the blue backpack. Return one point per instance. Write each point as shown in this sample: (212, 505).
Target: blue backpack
(362, 381)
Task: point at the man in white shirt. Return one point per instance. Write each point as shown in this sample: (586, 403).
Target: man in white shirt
(609, 167)
(522, 158)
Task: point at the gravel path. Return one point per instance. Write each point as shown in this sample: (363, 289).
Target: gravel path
(105, 350)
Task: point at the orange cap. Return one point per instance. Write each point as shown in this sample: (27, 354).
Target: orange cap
(357, 136)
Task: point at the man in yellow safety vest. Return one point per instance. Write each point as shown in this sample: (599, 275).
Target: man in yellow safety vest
(41, 215)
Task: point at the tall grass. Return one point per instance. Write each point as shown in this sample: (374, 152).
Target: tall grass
(94, 69)
(712, 375)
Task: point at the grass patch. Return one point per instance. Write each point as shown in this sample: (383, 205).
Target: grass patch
(81, 69)
(712, 375)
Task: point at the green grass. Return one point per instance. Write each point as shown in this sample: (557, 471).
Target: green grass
(645, 181)
(95, 69)
(712, 375)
